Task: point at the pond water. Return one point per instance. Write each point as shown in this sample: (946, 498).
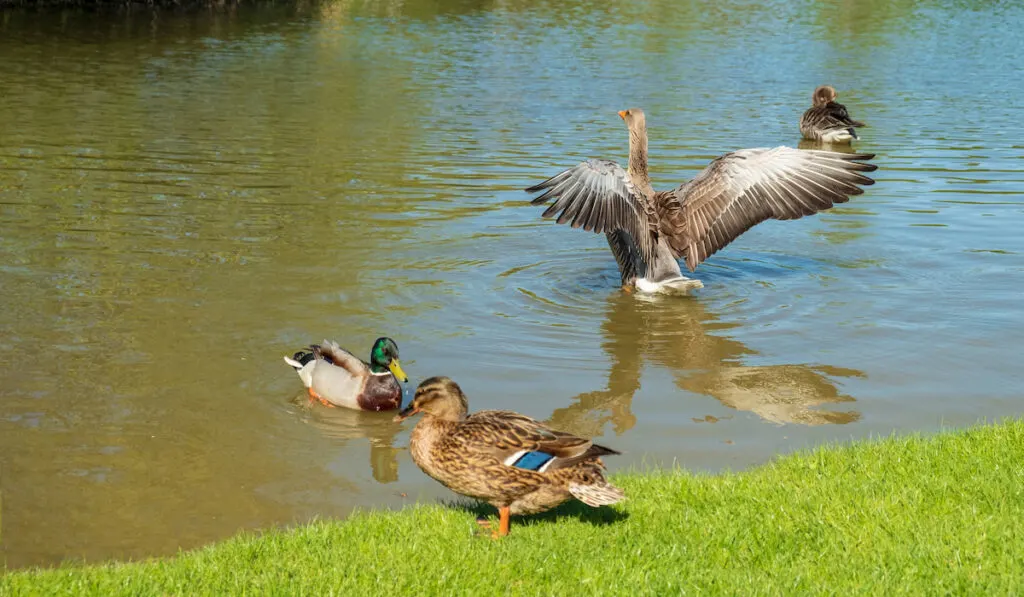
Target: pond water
(187, 197)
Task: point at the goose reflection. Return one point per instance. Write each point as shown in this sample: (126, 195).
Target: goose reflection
(680, 335)
(346, 424)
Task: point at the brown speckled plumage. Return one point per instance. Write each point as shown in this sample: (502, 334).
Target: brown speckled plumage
(469, 454)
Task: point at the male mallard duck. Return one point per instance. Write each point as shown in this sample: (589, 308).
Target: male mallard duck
(648, 230)
(517, 464)
(827, 120)
(336, 377)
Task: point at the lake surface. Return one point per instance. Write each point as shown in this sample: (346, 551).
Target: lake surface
(187, 197)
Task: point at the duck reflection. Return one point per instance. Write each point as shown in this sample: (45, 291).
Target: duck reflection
(680, 335)
(346, 424)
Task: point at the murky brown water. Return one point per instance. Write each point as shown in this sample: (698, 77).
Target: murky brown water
(184, 199)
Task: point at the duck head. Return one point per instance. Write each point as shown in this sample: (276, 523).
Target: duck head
(384, 357)
(437, 397)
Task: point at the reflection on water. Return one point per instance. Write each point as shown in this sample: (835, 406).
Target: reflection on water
(683, 337)
(781, 394)
(185, 198)
(346, 425)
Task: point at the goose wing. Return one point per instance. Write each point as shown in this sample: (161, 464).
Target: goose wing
(831, 116)
(838, 112)
(598, 195)
(744, 188)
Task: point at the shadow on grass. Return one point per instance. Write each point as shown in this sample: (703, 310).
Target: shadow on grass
(602, 516)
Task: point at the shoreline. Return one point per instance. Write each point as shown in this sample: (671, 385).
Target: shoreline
(885, 515)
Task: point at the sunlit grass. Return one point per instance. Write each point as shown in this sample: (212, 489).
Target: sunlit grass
(942, 514)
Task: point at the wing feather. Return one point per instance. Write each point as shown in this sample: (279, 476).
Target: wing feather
(741, 189)
(337, 355)
(598, 196)
(833, 116)
(624, 250)
(504, 433)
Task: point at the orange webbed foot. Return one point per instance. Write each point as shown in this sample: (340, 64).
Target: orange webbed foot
(313, 395)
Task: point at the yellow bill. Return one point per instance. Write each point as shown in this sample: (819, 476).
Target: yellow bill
(396, 369)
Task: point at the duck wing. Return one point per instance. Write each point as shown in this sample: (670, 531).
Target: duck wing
(519, 441)
(598, 195)
(741, 189)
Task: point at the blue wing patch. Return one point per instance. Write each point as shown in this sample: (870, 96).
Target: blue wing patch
(533, 461)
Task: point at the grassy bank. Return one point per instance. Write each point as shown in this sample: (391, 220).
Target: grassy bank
(943, 514)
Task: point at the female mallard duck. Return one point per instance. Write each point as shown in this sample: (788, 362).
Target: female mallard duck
(517, 464)
(648, 230)
(827, 120)
(336, 377)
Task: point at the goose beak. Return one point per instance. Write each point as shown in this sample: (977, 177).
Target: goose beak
(396, 369)
(406, 413)
(622, 114)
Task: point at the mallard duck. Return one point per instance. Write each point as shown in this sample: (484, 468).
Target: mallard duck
(517, 464)
(336, 377)
(648, 230)
(827, 120)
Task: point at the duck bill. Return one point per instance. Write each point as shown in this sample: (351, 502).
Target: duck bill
(396, 369)
(622, 114)
(405, 413)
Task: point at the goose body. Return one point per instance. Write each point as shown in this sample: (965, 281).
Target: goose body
(827, 120)
(649, 230)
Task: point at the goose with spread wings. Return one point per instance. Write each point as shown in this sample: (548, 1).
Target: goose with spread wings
(649, 230)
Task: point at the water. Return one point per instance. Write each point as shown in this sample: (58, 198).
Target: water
(186, 198)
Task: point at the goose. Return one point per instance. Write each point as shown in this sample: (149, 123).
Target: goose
(649, 230)
(827, 120)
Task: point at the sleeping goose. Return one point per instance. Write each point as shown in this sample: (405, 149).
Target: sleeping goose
(827, 120)
(649, 230)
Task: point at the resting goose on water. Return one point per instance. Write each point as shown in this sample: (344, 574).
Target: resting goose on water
(827, 120)
(649, 230)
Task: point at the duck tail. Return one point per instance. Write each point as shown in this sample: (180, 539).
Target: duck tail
(592, 454)
(601, 494)
(596, 451)
(299, 359)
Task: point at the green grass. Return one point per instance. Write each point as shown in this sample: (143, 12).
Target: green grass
(936, 515)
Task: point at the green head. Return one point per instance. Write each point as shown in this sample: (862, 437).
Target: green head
(384, 357)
